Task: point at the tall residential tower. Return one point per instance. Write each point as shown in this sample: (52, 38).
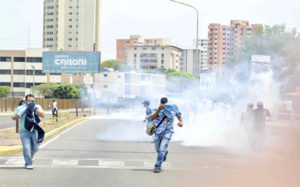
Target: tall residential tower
(72, 25)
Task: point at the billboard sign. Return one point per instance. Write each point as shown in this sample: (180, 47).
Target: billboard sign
(71, 62)
(260, 67)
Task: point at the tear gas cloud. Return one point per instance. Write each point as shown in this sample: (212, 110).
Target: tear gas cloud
(211, 115)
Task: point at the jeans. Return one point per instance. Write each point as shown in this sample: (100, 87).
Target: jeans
(161, 145)
(30, 146)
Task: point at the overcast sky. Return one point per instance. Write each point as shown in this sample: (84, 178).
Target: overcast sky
(21, 20)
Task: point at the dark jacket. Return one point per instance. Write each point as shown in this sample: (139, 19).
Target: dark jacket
(32, 121)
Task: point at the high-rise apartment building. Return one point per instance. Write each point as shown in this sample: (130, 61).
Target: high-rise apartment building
(123, 43)
(222, 40)
(151, 57)
(72, 25)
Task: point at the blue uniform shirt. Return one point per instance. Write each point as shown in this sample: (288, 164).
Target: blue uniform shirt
(169, 111)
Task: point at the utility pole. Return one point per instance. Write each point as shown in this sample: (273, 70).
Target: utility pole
(33, 81)
(196, 70)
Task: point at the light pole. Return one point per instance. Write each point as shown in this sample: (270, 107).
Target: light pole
(33, 78)
(196, 72)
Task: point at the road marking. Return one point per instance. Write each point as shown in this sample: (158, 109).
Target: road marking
(13, 161)
(64, 162)
(151, 164)
(63, 132)
(75, 163)
(111, 163)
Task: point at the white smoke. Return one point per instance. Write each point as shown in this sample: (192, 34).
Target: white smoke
(210, 120)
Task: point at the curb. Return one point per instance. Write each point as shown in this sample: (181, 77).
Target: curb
(18, 148)
(6, 115)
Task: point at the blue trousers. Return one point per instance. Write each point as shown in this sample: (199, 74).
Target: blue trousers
(161, 145)
(30, 146)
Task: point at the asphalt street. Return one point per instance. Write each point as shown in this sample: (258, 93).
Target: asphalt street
(117, 152)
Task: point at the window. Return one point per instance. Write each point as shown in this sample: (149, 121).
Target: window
(152, 55)
(50, 26)
(134, 55)
(105, 86)
(34, 59)
(5, 72)
(5, 59)
(144, 48)
(70, 13)
(49, 39)
(162, 55)
(49, 33)
(70, 26)
(37, 72)
(49, 46)
(19, 84)
(5, 84)
(69, 46)
(153, 48)
(19, 72)
(135, 48)
(70, 7)
(19, 59)
(50, 7)
(143, 55)
(50, 13)
(70, 39)
(49, 20)
(70, 19)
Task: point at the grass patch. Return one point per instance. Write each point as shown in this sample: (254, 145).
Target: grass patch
(48, 125)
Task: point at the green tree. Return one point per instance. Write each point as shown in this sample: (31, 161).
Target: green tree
(282, 45)
(4, 91)
(179, 81)
(46, 90)
(114, 64)
(70, 91)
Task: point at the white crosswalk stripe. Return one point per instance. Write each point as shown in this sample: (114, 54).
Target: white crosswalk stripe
(64, 162)
(81, 163)
(112, 163)
(15, 161)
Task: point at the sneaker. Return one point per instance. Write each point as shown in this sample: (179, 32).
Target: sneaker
(166, 156)
(28, 167)
(157, 170)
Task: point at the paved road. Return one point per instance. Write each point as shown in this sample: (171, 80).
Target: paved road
(115, 152)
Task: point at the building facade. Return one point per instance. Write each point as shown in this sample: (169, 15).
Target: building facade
(223, 40)
(152, 57)
(71, 25)
(19, 69)
(123, 43)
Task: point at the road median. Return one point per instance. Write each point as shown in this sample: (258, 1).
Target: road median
(50, 132)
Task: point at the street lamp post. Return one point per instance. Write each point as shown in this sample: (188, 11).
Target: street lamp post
(33, 79)
(196, 72)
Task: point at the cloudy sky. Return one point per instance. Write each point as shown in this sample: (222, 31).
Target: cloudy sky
(21, 20)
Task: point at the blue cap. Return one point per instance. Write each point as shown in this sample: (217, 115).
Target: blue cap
(250, 105)
(260, 103)
(146, 102)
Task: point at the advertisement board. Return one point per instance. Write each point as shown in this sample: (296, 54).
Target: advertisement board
(260, 67)
(71, 62)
